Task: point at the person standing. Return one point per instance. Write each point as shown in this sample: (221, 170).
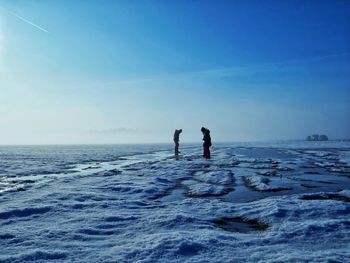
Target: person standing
(207, 142)
(176, 140)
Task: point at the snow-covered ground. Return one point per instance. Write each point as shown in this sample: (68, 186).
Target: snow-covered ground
(277, 202)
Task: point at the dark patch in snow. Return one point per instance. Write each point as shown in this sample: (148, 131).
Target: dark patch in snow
(91, 167)
(308, 180)
(119, 218)
(338, 170)
(189, 248)
(309, 186)
(96, 232)
(268, 173)
(24, 212)
(309, 166)
(6, 236)
(224, 192)
(311, 172)
(284, 169)
(326, 196)
(23, 181)
(132, 169)
(36, 256)
(240, 224)
(108, 173)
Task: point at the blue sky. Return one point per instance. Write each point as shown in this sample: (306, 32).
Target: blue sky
(133, 71)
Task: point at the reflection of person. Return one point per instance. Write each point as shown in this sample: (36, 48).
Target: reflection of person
(176, 140)
(207, 142)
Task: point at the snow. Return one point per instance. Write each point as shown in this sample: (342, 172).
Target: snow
(215, 177)
(143, 205)
(259, 183)
(345, 193)
(202, 189)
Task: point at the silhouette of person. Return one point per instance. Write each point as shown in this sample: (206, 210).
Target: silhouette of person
(207, 142)
(176, 140)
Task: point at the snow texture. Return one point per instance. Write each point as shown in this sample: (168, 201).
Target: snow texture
(277, 202)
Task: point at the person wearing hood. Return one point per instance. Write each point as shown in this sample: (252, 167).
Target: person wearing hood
(207, 142)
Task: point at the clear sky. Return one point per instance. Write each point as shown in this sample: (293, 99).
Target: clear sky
(134, 71)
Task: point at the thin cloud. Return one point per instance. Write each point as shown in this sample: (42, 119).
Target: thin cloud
(237, 69)
(26, 20)
(308, 59)
(127, 82)
(225, 71)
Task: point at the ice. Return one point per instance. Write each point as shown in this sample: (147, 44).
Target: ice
(203, 189)
(215, 177)
(145, 205)
(345, 193)
(259, 183)
(345, 157)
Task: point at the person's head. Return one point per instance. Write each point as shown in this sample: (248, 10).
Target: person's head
(203, 130)
(180, 130)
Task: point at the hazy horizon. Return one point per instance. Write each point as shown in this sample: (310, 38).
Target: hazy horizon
(111, 72)
(182, 143)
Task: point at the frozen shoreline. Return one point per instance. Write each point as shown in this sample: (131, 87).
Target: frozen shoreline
(246, 204)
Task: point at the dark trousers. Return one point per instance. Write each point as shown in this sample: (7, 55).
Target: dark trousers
(176, 147)
(206, 151)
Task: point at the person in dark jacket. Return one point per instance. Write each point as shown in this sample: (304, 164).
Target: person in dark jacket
(176, 140)
(207, 142)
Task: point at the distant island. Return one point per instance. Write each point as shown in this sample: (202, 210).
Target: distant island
(316, 137)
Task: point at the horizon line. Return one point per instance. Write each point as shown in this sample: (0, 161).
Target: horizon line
(171, 143)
